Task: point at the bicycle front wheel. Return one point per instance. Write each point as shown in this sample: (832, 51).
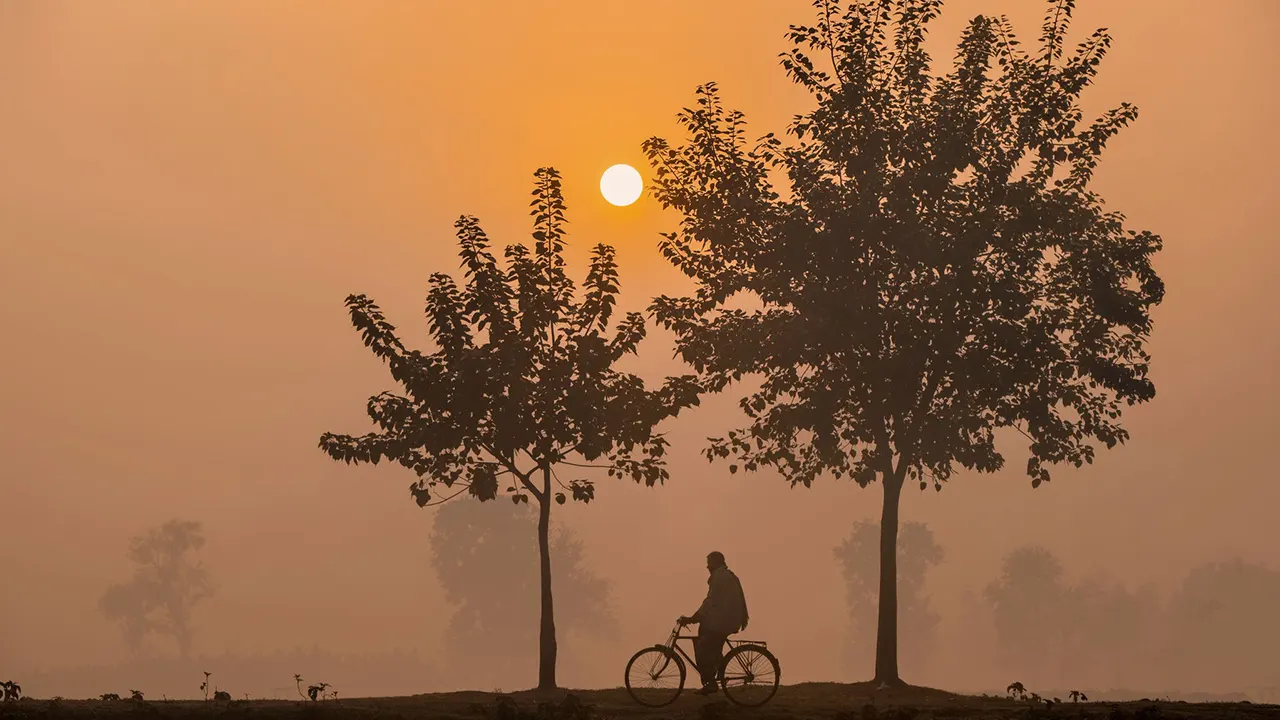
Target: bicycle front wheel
(750, 675)
(655, 676)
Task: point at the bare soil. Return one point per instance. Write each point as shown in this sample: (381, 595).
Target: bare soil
(807, 701)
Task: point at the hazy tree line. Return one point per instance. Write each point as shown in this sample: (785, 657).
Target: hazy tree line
(1055, 629)
(1050, 627)
(484, 556)
(923, 263)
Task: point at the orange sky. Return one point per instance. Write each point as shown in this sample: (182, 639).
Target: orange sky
(188, 192)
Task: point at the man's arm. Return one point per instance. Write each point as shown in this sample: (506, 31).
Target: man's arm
(696, 617)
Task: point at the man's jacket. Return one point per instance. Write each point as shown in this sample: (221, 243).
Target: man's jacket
(725, 609)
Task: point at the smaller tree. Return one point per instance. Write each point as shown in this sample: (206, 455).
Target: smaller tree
(167, 585)
(859, 558)
(522, 381)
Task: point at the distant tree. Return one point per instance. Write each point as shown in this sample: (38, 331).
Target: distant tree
(1109, 631)
(522, 381)
(859, 558)
(932, 268)
(167, 585)
(486, 558)
(1222, 630)
(1028, 601)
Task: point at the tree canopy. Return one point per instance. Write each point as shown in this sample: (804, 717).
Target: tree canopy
(922, 261)
(522, 375)
(167, 584)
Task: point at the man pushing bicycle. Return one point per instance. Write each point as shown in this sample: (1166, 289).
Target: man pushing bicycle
(722, 613)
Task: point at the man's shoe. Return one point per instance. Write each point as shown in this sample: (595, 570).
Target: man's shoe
(709, 689)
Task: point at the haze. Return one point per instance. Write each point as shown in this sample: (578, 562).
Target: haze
(189, 191)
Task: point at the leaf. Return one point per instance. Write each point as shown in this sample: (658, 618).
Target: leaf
(482, 482)
(421, 494)
(583, 490)
(560, 498)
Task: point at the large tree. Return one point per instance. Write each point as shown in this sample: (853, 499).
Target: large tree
(921, 264)
(521, 381)
(485, 556)
(859, 557)
(168, 583)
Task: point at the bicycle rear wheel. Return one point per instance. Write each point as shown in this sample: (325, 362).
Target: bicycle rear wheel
(655, 676)
(750, 675)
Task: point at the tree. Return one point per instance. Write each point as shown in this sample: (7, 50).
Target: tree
(859, 558)
(921, 265)
(522, 381)
(166, 586)
(1108, 632)
(1028, 601)
(485, 556)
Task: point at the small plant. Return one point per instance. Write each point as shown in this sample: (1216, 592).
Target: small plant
(318, 691)
(135, 695)
(10, 690)
(1077, 696)
(1017, 690)
(1035, 697)
(297, 680)
(221, 696)
(109, 697)
(572, 708)
(205, 685)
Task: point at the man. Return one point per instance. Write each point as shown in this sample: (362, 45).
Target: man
(722, 613)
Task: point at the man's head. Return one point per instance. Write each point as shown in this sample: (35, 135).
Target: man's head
(715, 559)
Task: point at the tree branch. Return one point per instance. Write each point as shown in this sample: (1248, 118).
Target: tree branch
(443, 500)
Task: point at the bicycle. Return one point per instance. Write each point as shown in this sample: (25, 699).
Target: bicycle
(749, 674)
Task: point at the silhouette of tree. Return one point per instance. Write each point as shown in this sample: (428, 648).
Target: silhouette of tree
(932, 268)
(522, 381)
(1108, 632)
(485, 556)
(1222, 626)
(859, 557)
(1028, 600)
(166, 586)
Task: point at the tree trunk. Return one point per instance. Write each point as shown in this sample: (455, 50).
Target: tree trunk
(887, 629)
(547, 633)
(182, 635)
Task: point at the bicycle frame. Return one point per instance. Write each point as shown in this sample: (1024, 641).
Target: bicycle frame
(673, 643)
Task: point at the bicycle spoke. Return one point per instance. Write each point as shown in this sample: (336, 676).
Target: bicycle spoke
(749, 677)
(654, 678)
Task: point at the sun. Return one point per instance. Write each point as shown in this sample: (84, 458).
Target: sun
(621, 185)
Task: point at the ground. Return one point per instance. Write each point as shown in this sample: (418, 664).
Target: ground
(807, 701)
